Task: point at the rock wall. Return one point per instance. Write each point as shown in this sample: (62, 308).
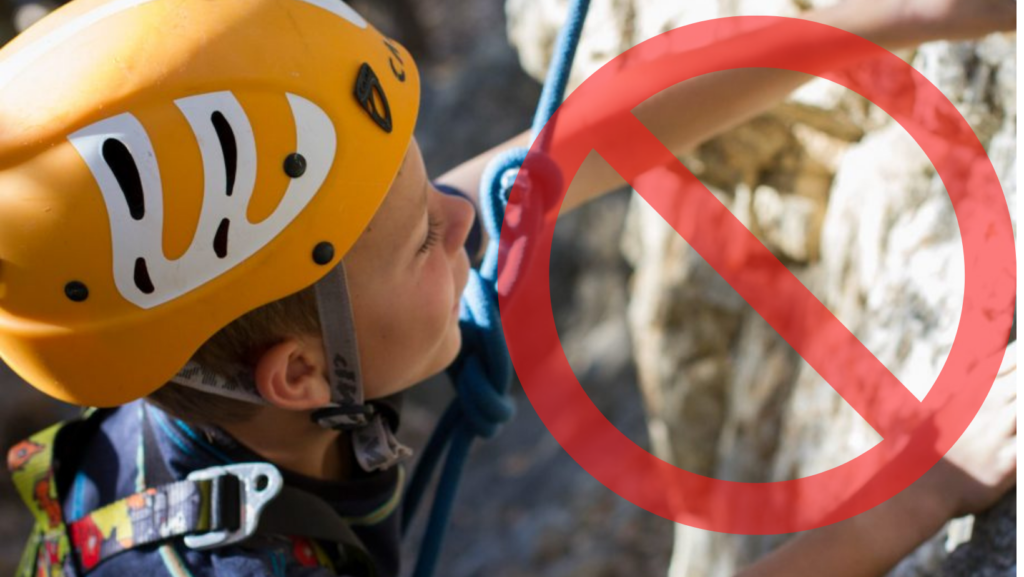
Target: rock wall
(849, 202)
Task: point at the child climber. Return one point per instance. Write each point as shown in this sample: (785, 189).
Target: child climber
(215, 223)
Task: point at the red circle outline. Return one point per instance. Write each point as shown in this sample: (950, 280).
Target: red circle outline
(596, 117)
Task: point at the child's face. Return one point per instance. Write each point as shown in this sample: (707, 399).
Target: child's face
(406, 274)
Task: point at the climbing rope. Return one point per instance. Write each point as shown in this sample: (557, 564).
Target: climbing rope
(482, 374)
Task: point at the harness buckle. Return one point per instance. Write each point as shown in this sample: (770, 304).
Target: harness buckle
(257, 484)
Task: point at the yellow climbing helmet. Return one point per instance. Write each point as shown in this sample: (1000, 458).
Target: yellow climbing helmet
(167, 166)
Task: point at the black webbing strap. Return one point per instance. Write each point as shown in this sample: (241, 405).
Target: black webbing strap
(391, 408)
(300, 513)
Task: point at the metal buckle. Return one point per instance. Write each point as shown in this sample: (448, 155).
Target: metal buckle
(261, 482)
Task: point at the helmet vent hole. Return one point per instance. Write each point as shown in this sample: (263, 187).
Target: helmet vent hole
(220, 240)
(121, 163)
(228, 146)
(371, 97)
(142, 280)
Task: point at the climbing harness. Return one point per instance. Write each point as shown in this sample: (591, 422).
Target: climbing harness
(213, 507)
(482, 373)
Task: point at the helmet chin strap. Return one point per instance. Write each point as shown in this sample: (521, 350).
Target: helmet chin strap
(373, 439)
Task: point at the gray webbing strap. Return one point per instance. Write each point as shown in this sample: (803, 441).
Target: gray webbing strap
(296, 512)
(338, 330)
(241, 386)
(373, 441)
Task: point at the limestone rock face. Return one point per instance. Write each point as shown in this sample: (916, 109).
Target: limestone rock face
(850, 203)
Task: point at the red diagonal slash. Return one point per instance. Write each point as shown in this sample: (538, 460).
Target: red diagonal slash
(758, 276)
(915, 434)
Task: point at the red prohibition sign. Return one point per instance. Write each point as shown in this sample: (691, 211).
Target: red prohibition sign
(916, 434)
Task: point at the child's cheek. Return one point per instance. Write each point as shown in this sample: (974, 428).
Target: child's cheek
(438, 290)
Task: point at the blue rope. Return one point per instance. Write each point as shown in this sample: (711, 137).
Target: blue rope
(553, 93)
(482, 374)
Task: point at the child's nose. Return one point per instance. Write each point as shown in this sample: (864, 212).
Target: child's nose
(459, 213)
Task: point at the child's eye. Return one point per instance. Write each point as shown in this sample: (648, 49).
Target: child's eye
(433, 234)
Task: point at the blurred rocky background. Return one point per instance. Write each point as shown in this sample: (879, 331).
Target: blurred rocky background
(668, 352)
(849, 202)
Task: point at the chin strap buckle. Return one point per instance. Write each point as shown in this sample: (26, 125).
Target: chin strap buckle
(238, 494)
(344, 417)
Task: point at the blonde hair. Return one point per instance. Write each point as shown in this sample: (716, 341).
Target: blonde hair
(240, 343)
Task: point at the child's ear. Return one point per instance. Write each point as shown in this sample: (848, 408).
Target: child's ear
(289, 375)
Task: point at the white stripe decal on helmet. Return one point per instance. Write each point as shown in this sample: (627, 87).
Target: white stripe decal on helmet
(341, 9)
(224, 236)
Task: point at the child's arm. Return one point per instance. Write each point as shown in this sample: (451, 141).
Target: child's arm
(694, 111)
(976, 472)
